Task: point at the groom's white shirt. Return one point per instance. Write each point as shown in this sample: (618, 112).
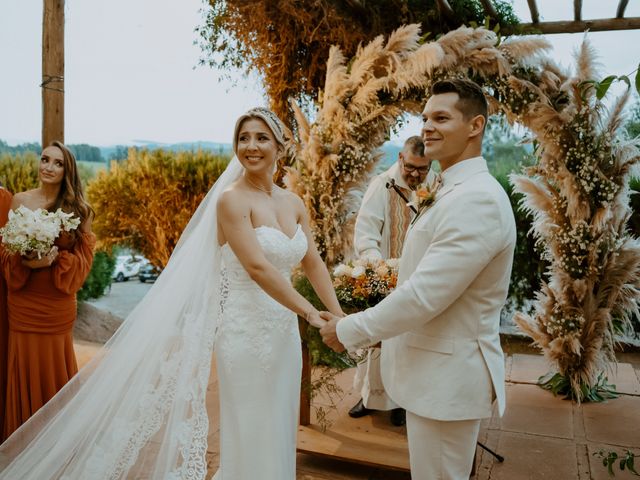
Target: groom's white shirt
(441, 354)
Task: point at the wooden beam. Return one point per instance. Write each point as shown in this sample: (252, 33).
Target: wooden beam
(445, 9)
(621, 8)
(305, 385)
(52, 72)
(598, 25)
(577, 10)
(489, 9)
(533, 8)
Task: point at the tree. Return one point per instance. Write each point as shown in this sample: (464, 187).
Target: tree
(633, 123)
(287, 41)
(86, 153)
(146, 201)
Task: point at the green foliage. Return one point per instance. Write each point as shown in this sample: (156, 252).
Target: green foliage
(560, 385)
(86, 153)
(632, 126)
(626, 462)
(320, 354)
(19, 172)
(503, 148)
(602, 87)
(82, 151)
(20, 149)
(528, 266)
(146, 201)
(99, 277)
(121, 152)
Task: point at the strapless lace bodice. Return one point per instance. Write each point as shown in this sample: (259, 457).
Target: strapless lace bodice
(249, 316)
(283, 252)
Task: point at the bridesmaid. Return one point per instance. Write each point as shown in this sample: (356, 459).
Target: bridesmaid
(5, 204)
(42, 293)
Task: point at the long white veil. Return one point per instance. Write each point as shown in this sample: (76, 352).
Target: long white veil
(137, 408)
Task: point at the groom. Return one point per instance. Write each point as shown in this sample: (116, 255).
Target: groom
(441, 355)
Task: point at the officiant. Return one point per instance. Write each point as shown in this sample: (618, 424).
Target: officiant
(380, 229)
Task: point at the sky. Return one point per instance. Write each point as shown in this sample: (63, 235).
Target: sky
(132, 74)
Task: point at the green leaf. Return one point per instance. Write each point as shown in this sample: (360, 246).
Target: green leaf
(625, 79)
(638, 79)
(487, 21)
(630, 461)
(603, 86)
(496, 29)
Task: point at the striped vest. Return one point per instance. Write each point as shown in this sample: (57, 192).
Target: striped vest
(399, 219)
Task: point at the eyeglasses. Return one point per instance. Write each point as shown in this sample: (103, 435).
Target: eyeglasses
(411, 169)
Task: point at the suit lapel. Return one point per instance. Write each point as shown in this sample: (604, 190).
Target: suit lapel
(445, 190)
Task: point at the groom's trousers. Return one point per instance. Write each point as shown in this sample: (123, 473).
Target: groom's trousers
(441, 450)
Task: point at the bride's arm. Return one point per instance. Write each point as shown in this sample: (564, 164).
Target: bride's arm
(234, 218)
(315, 269)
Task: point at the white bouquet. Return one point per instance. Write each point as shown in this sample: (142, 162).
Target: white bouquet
(33, 232)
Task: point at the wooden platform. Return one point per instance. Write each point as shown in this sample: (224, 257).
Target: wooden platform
(372, 449)
(371, 440)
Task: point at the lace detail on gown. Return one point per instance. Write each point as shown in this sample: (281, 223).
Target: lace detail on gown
(284, 253)
(259, 362)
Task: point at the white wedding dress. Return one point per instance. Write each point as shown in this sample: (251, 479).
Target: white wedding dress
(137, 410)
(259, 362)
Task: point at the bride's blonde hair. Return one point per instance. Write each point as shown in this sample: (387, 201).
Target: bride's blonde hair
(277, 127)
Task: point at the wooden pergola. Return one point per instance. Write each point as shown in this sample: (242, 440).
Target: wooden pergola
(53, 46)
(619, 22)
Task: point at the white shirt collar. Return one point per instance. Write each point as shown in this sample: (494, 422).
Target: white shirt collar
(459, 172)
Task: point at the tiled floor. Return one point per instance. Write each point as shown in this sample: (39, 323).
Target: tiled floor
(540, 436)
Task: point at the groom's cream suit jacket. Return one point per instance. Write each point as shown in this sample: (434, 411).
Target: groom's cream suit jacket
(441, 355)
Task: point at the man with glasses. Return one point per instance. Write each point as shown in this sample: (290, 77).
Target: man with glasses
(380, 229)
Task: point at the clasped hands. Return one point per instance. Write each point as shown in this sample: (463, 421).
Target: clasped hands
(327, 322)
(32, 261)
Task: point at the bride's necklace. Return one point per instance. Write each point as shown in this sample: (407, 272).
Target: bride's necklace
(262, 189)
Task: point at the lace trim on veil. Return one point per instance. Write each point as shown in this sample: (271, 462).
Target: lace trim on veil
(139, 405)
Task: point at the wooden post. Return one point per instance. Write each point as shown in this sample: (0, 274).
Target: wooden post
(52, 71)
(305, 387)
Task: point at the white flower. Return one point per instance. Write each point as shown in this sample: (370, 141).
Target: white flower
(35, 231)
(342, 270)
(382, 271)
(358, 271)
(393, 262)
(363, 261)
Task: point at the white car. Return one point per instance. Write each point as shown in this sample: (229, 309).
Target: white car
(128, 266)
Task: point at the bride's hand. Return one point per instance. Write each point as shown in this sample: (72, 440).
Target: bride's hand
(314, 319)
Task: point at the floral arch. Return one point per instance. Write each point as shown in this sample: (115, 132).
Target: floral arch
(577, 191)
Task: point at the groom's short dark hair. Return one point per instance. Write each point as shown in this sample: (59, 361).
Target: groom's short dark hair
(471, 100)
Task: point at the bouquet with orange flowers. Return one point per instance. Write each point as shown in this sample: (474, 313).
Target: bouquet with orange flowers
(364, 282)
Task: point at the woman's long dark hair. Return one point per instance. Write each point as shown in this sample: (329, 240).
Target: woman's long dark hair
(71, 197)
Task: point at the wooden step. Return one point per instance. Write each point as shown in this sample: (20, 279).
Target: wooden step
(373, 447)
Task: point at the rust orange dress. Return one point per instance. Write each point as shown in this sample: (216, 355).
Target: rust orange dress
(42, 311)
(5, 205)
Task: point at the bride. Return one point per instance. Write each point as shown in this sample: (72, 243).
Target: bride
(137, 410)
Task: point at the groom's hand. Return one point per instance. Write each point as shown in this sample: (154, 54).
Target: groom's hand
(328, 332)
